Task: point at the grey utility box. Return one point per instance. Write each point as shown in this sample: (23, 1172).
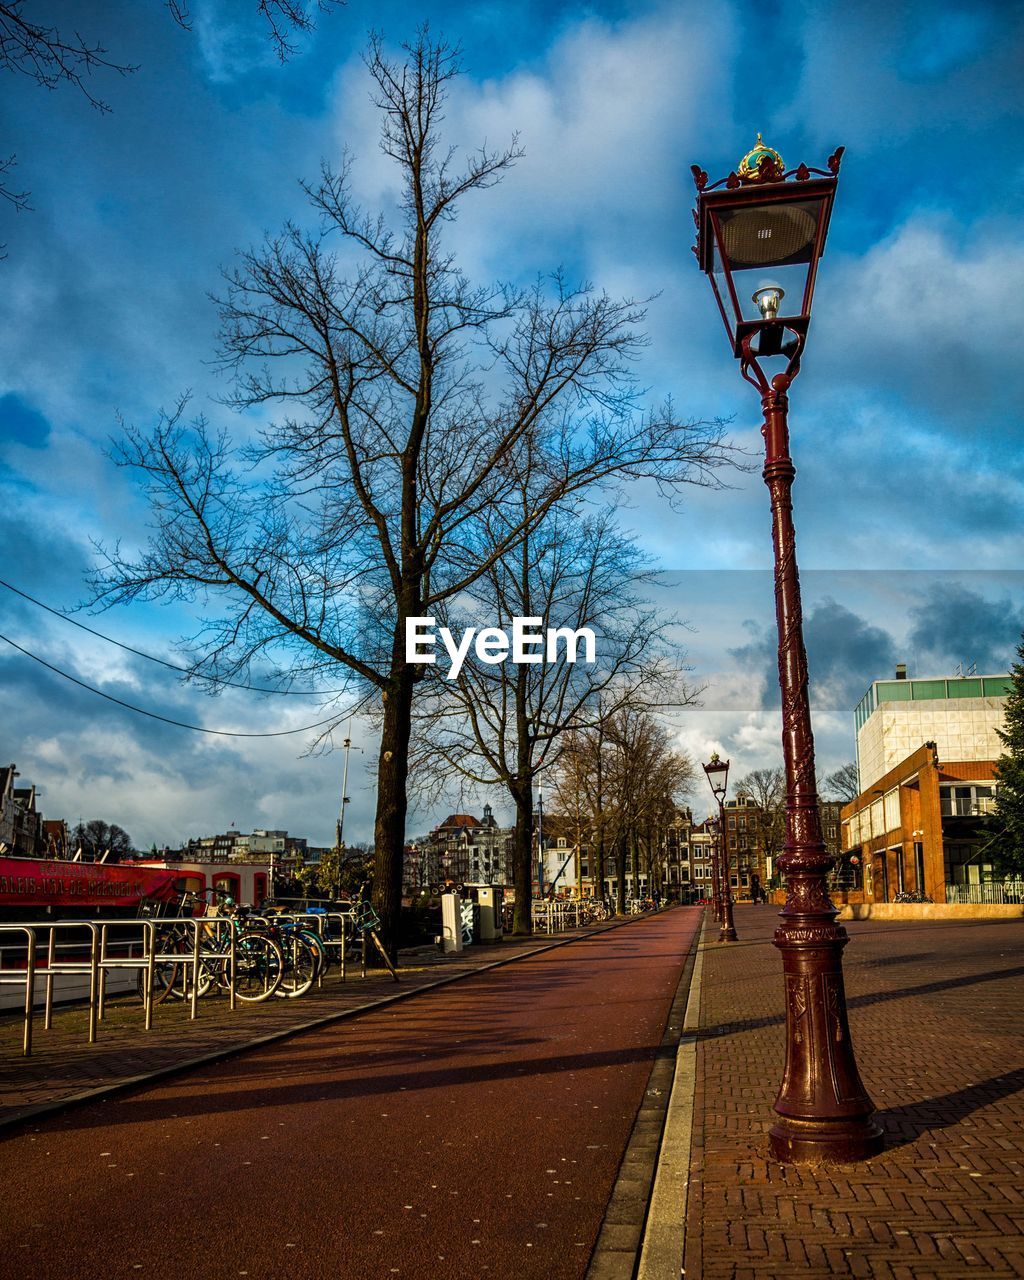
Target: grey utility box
(488, 900)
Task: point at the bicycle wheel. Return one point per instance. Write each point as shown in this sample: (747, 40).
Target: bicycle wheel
(212, 973)
(300, 965)
(165, 972)
(320, 950)
(259, 966)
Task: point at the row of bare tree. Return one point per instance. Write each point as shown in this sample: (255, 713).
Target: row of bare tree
(620, 782)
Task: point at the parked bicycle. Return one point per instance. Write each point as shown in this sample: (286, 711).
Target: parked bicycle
(232, 956)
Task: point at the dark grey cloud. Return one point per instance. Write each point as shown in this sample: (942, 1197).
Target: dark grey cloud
(953, 624)
(93, 758)
(844, 654)
(38, 557)
(22, 423)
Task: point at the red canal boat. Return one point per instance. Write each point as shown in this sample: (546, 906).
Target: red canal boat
(49, 888)
(33, 888)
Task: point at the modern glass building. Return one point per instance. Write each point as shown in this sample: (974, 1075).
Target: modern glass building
(926, 756)
(960, 715)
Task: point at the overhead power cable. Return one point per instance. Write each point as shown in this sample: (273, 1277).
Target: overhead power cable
(231, 684)
(178, 724)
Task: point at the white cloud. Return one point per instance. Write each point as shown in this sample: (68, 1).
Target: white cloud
(230, 45)
(608, 118)
(926, 310)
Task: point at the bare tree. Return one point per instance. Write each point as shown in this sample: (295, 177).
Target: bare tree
(767, 789)
(843, 784)
(367, 504)
(97, 839)
(625, 771)
(650, 774)
(284, 19)
(504, 724)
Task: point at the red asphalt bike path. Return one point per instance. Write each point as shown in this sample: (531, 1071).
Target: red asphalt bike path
(474, 1131)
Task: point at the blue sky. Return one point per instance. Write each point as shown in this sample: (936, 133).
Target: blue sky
(905, 420)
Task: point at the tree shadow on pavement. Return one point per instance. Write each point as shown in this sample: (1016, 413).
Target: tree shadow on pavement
(881, 962)
(239, 1087)
(904, 1125)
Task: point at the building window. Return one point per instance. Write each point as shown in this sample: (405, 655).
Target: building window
(966, 800)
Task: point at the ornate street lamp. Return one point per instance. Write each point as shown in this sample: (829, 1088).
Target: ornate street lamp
(760, 234)
(717, 771)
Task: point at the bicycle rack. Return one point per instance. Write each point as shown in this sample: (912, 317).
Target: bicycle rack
(135, 944)
(55, 966)
(196, 926)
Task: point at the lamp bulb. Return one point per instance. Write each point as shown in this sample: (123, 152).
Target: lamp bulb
(768, 300)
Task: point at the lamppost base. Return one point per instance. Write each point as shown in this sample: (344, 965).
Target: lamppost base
(727, 933)
(846, 1141)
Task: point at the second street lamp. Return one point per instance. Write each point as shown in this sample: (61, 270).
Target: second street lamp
(717, 771)
(760, 234)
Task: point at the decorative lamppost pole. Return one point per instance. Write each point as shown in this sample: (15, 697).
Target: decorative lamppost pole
(717, 771)
(711, 826)
(760, 233)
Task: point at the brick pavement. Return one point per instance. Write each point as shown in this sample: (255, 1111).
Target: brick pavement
(64, 1068)
(937, 1018)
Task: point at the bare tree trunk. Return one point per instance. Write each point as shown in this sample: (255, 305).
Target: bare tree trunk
(599, 811)
(522, 865)
(620, 896)
(389, 827)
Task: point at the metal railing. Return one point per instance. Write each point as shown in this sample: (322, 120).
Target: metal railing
(563, 913)
(550, 917)
(991, 893)
(31, 951)
(335, 929)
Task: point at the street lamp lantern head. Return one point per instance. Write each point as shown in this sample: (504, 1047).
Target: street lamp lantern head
(717, 771)
(761, 219)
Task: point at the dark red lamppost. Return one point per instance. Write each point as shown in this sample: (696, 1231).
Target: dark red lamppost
(760, 233)
(711, 826)
(717, 771)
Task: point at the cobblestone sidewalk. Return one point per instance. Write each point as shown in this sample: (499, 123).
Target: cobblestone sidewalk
(937, 1017)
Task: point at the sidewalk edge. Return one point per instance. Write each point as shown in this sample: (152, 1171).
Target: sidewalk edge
(617, 1253)
(662, 1254)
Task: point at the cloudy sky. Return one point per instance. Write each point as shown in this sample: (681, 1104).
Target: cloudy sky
(905, 420)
